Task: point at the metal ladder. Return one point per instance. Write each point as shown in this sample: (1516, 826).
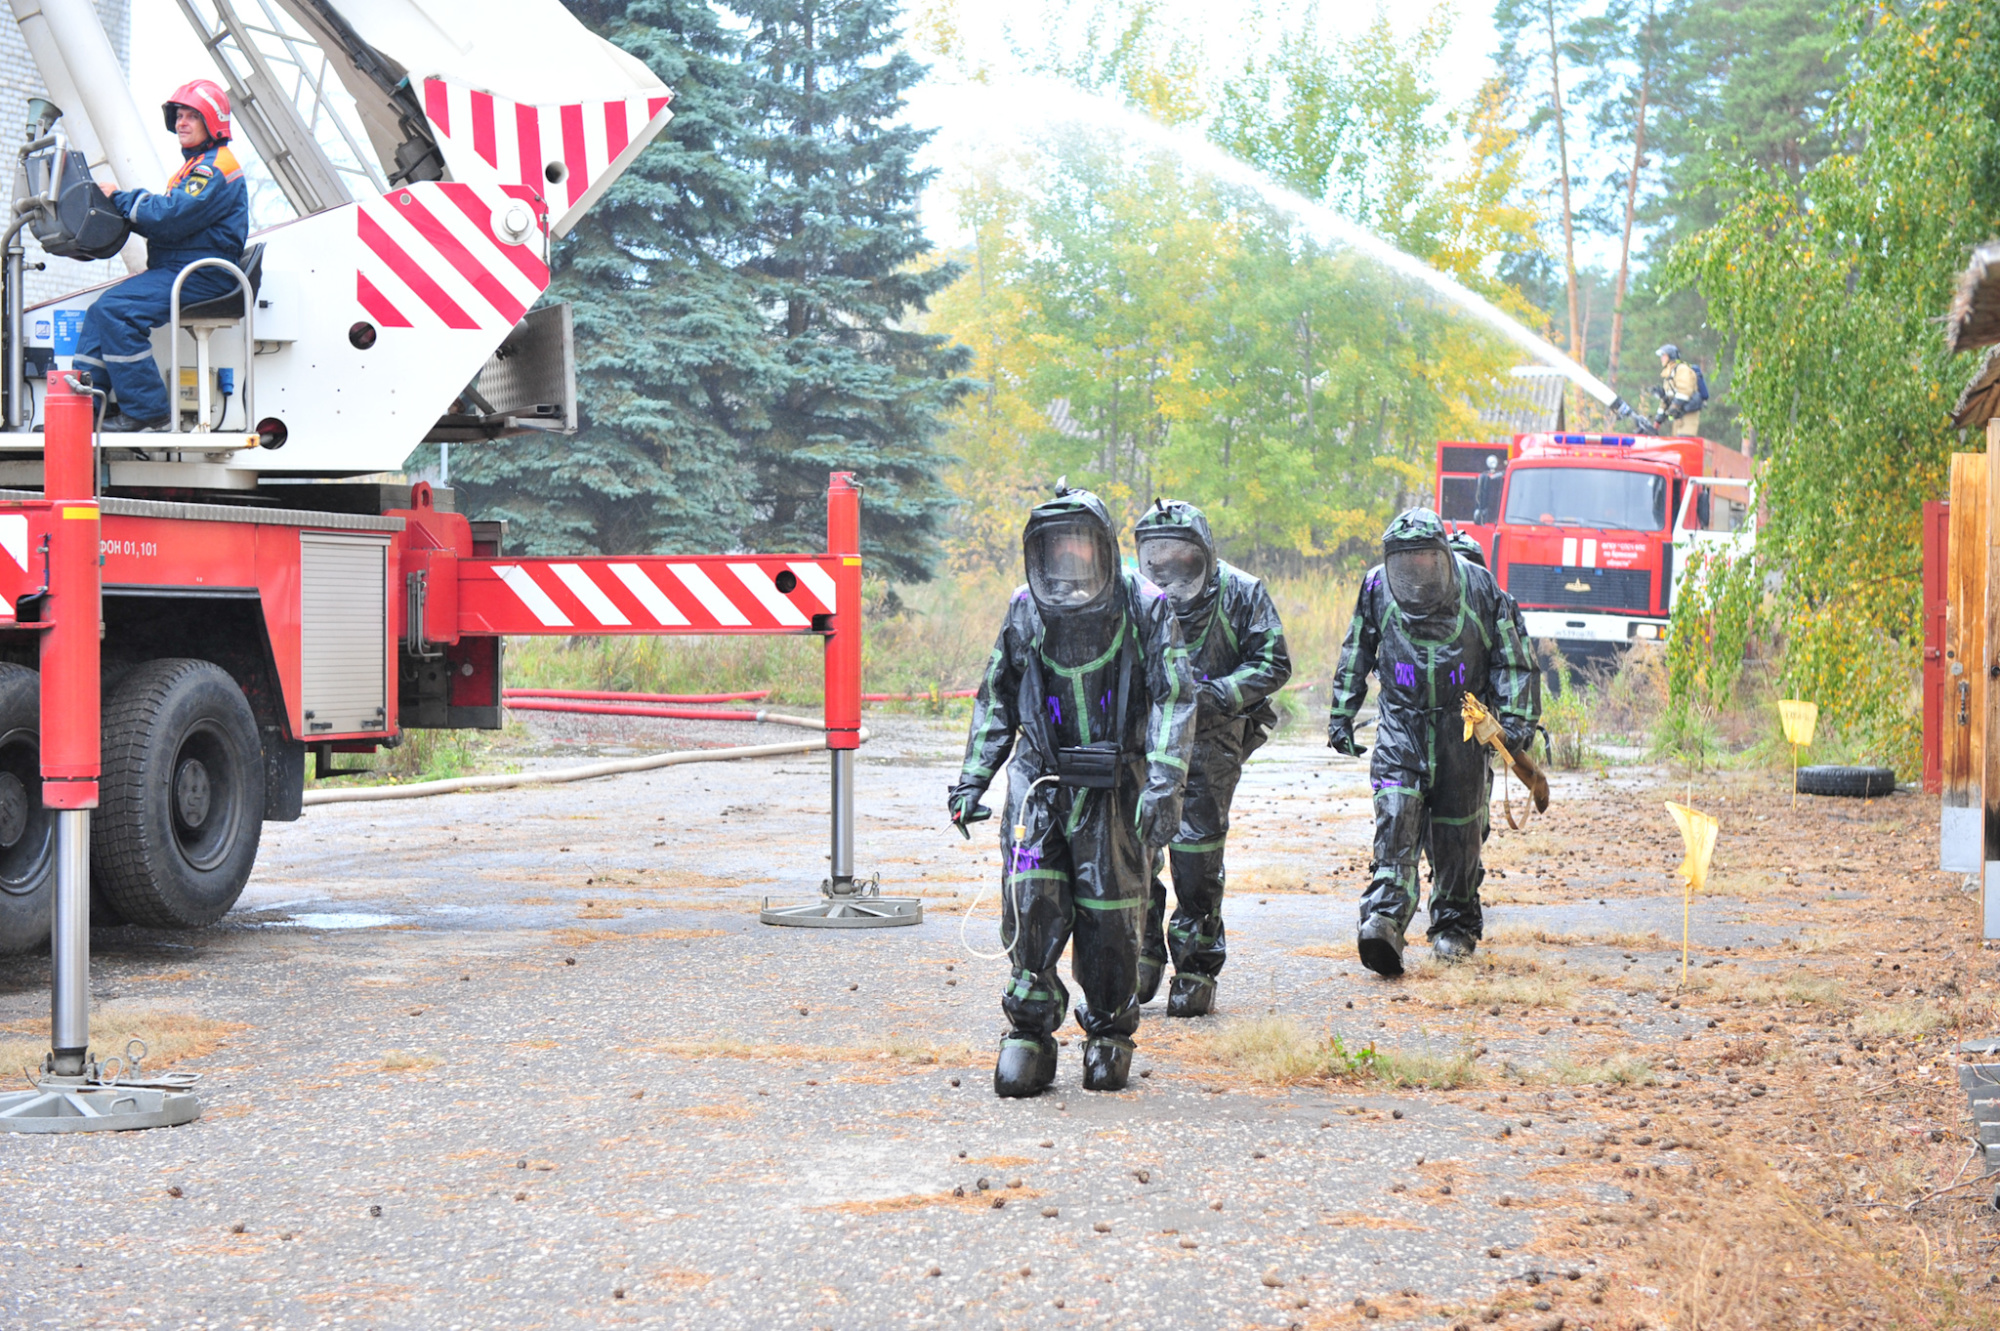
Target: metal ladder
(257, 60)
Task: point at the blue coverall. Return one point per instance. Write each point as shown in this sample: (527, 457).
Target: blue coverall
(205, 212)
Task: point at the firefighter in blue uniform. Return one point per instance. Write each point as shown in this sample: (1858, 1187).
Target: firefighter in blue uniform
(203, 213)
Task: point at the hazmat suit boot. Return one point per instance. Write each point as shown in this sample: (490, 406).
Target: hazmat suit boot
(1381, 945)
(1026, 1066)
(1191, 996)
(1452, 947)
(1107, 1063)
(1150, 971)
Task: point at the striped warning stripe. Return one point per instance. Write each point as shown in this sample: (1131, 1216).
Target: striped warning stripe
(430, 256)
(749, 594)
(14, 542)
(567, 153)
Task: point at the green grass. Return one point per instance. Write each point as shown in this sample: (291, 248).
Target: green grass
(424, 755)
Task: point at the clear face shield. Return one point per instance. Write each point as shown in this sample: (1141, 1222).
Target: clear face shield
(1423, 581)
(1068, 566)
(1177, 565)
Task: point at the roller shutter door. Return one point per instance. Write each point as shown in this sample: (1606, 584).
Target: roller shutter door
(344, 631)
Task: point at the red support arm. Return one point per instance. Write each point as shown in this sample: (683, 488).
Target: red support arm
(843, 645)
(71, 748)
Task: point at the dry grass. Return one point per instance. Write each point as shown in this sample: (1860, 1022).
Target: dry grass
(1802, 987)
(1266, 881)
(1623, 1070)
(1278, 1050)
(1903, 1020)
(1740, 1247)
(584, 937)
(398, 1060)
(169, 1037)
(1518, 935)
(900, 1051)
(1493, 980)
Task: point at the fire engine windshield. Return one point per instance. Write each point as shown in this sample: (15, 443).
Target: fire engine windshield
(1595, 497)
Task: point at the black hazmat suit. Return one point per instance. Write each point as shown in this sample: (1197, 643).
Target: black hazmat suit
(1078, 664)
(1236, 648)
(1427, 647)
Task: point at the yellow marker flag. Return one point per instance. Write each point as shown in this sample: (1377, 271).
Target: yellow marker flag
(1698, 833)
(1798, 719)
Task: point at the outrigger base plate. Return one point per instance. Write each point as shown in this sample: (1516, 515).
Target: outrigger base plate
(73, 1104)
(859, 906)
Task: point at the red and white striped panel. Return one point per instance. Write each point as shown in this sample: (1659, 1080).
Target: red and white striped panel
(14, 577)
(433, 255)
(567, 154)
(645, 595)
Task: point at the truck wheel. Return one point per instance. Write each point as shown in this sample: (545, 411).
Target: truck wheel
(182, 800)
(1854, 782)
(27, 832)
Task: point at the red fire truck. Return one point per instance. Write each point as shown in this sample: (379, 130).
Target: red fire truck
(1588, 531)
(270, 598)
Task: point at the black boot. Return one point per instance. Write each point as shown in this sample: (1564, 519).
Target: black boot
(1026, 1066)
(1150, 969)
(1107, 1062)
(1453, 947)
(1191, 995)
(1381, 945)
(123, 424)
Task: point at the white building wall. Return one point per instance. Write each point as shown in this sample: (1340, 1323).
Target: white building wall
(19, 80)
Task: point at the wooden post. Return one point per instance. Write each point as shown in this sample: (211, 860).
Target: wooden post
(1990, 666)
(1964, 718)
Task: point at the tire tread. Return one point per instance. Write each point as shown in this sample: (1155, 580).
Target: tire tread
(1847, 782)
(122, 851)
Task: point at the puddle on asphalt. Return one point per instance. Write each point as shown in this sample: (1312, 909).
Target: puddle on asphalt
(350, 919)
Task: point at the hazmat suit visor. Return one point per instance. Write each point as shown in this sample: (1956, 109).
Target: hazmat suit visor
(1424, 581)
(1178, 566)
(1069, 565)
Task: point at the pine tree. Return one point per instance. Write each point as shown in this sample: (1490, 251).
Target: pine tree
(673, 364)
(840, 275)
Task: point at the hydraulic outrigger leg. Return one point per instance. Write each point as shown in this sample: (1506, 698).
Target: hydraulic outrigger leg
(78, 1093)
(845, 903)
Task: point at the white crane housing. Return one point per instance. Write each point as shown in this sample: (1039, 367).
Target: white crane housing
(393, 309)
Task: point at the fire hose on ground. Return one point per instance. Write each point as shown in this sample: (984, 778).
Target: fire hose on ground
(563, 775)
(609, 767)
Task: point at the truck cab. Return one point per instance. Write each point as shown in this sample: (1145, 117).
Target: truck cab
(1588, 532)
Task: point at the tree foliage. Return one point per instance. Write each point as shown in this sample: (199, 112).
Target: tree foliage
(1139, 328)
(838, 270)
(1831, 281)
(673, 368)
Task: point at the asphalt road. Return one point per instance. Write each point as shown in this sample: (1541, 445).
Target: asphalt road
(527, 1059)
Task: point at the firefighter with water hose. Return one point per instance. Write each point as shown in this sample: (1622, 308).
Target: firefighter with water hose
(203, 213)
(1682, 391)
(1432, 627)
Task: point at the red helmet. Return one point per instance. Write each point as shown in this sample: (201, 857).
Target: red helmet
(205, 99)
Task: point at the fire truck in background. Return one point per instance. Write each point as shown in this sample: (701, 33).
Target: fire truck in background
(269, 597)
(1592, 533)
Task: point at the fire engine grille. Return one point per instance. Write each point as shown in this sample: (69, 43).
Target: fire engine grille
(1581, 588)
